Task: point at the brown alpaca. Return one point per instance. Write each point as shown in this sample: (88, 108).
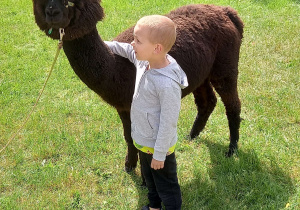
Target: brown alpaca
(207, 49)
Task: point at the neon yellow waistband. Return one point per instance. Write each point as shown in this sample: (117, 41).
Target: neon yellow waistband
(150, 150)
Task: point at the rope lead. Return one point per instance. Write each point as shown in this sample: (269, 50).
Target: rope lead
(60, 44)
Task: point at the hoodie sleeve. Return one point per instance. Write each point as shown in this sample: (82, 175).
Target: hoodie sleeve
(122, 49)
(170, 100)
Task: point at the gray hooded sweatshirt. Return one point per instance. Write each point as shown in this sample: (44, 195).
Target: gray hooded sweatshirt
(156, 102)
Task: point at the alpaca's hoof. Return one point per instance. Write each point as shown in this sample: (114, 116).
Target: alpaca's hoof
(228, 154)
(128, 169)
(143, 183)
(193, 135)
(231, 152)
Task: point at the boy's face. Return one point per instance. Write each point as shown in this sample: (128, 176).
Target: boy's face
(142, 46)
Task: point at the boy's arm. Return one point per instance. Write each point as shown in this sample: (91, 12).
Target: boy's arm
(170, 100)
(123, 49)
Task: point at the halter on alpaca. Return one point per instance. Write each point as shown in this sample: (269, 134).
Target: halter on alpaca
(61, 31)
(70, 4)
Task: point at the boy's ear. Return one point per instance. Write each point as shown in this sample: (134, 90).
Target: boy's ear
(158, 48)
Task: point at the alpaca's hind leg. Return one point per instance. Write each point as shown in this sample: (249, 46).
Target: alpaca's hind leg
(132, 152)
(227, 89)
(205, 101)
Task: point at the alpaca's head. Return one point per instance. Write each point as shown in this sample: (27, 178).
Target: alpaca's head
(77, 17)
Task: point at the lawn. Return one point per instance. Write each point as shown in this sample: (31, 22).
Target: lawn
(70, 154)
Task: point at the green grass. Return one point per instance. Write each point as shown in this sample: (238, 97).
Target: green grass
(71, 153)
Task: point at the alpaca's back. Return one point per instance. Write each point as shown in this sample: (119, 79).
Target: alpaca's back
(205, 34)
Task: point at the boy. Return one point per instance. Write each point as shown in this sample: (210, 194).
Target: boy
(155, 106)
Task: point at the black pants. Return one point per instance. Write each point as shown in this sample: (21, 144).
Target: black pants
(162, 184)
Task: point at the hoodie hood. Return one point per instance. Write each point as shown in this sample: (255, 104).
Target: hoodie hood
(174, 72)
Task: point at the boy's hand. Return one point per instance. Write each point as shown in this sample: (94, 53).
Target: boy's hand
(156, 164)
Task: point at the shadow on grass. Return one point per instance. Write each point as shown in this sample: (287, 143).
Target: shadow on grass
(142, 190)
(242, 182)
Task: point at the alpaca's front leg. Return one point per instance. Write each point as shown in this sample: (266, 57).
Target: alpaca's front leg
(132, 152)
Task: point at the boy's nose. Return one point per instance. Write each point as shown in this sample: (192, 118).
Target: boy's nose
(132, 43)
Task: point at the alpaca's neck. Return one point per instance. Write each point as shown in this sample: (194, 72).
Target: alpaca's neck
(95, 65)
(88, 57)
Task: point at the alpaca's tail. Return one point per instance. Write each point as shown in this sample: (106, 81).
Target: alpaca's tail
(232, 14)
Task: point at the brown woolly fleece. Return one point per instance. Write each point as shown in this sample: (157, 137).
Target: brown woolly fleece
(207, 48)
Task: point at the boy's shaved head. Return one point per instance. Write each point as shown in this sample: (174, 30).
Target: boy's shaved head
(162, 30)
